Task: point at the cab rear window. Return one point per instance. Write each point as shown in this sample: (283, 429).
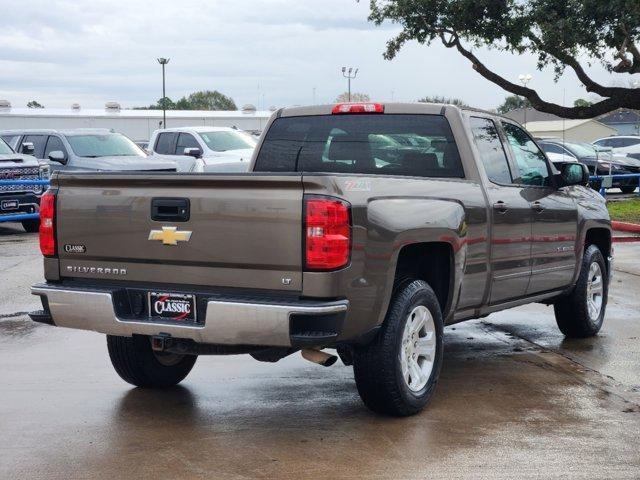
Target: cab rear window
(410, 145)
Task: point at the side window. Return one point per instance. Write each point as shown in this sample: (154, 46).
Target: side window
(551, 148)
(492, 155)
(627, 142)
(603, 143)
(531, 162)
(54, 144)
(164, 143)
(186, 140)
(38, 141)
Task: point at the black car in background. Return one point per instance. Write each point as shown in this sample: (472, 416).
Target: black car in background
(598, 162)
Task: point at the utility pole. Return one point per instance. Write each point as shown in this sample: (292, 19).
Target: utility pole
(349, 74)
(163, 62)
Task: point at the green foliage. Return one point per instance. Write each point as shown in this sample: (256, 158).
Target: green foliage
(581, 102)
(513, 102)
(441, 99)
(559, 33)
(34, 104)
(355, 97)
(202, 100)
(625, 211)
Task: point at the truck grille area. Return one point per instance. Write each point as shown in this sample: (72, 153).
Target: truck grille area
(20, 173)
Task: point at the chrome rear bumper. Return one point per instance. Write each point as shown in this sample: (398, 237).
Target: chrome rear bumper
(226, 322)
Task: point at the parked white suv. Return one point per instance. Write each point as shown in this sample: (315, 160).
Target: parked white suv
(625, 145)
(219, 149)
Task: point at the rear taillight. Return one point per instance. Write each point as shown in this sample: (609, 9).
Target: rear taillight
(47, 224)
(327, 230)
(342, 108)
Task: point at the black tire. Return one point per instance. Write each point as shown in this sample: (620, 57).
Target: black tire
(628, 189)
(572, 312)
(31, 226)
(136, 363)
(377, 366)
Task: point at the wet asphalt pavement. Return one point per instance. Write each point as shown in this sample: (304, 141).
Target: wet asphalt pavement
(515, 400)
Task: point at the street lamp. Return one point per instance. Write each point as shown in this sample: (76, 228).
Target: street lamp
(349, 74)
(163, 62)
(524, 79)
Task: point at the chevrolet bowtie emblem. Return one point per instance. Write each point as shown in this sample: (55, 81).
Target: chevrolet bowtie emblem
(170, 235)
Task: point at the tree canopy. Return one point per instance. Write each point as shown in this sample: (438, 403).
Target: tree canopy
(355, 97)
(512, 102)
(34, 104)
(202, 100)
(560, 33)
(441, 99)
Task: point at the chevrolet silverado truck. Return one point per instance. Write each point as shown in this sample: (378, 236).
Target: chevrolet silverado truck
(364, 228)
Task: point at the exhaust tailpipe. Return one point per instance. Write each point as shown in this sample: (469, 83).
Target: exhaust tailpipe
(318, 356)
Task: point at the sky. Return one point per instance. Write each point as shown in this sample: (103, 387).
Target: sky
(262, 52)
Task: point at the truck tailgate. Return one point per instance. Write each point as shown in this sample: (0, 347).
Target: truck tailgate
(242, 231)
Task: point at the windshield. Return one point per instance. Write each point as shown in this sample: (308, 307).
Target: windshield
(222, 141)
(107, 145)
(581, 149)
(4, 148)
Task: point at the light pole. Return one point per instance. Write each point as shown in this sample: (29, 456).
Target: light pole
(636, 84)
(524, 79)
(163, 62)
(349, 74)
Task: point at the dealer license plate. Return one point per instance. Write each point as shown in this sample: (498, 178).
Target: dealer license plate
(178, 307)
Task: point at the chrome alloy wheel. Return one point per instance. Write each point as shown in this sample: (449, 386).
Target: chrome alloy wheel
(595, 291)
(418, 349)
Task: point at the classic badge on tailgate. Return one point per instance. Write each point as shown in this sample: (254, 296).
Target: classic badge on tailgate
(170, 235)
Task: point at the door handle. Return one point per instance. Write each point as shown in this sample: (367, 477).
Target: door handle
(537, 206)
(170, 209)
(500, 206)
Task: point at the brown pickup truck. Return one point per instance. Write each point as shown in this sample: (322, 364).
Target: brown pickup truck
(360, 227)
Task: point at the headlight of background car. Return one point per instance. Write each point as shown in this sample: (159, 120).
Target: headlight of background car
(45, 171)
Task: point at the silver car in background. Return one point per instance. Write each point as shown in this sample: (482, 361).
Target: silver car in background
(84, 149)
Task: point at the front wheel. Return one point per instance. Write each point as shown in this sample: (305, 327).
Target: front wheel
(628, 189)
(397, 373)
(581, 313)
(138, 364)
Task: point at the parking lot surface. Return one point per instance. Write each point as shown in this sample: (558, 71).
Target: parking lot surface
(515, 400)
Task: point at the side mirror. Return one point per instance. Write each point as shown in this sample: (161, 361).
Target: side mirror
(28, 148)
(574, 173)
(58, 156)
(193, 152)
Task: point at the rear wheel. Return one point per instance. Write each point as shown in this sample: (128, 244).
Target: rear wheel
(138, 364)
(397, 373)
(628, 189)
(581, 313)
(31, 226)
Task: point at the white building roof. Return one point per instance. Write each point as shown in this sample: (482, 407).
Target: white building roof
(558, 125)
(129, 113)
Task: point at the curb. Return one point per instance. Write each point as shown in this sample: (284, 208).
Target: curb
(625, 226)
(625, 239)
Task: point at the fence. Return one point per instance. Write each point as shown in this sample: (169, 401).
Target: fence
(19, 217)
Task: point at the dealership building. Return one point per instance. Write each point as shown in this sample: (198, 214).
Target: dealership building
(136, 124)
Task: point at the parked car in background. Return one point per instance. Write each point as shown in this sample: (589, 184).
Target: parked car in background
(597, 162)
(20, 199)
(214, 148)
(84, 149)
(622, 144)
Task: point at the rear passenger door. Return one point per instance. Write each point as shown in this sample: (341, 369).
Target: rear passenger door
(510, 257)
(553, 211)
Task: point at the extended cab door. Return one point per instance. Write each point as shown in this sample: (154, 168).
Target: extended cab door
(553, 212)
(510, 255)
